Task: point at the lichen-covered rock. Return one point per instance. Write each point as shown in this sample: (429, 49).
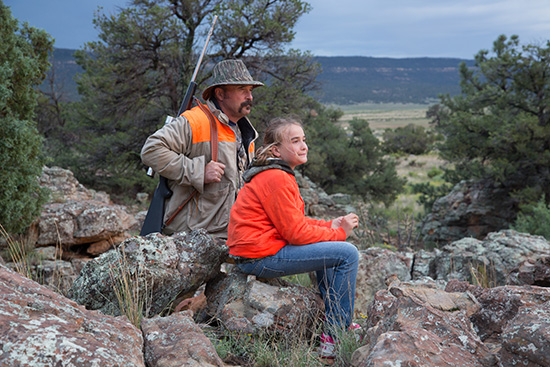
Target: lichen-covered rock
(473, 208)
(531, 272)
(76, 215)
(514, 319)
(487, 262)
(375, 265)
(406, 327)
(176, 341)
(245, 305)
(39, 328)
(526, 338)
(161, 267)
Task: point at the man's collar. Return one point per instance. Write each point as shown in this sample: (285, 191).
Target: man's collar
(215, 101)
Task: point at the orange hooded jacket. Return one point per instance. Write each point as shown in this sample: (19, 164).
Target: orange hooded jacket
(269, 214)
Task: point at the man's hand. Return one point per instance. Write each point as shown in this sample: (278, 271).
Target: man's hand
(213, 172)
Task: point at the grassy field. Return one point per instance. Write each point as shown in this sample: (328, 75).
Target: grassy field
(415, 168)
(385, 115)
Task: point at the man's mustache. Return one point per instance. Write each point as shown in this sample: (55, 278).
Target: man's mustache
(245, 104)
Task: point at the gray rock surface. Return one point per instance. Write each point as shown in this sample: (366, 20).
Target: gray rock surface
(471, 209)
(40, 328)
(161, 267)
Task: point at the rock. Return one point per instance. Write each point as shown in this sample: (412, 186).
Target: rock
(375, 265)
(64, 187)
(515, 320)
(245, 305)
(526, 338)
(175, 341)
(76, 215)
(487, 262)
(39, 327)
(403, 329)
(471, 209)
(532, 272)
(161, 267)
(82, 222)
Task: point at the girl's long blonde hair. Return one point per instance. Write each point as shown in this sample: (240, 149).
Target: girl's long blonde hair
(275, 135)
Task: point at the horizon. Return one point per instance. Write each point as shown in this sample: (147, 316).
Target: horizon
(427, 28)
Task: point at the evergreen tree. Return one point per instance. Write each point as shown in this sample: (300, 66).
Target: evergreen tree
(499, 126)
(138, 72)
(23, 64)
(354, 164)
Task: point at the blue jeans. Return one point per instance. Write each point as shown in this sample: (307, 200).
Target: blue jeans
(335, 264)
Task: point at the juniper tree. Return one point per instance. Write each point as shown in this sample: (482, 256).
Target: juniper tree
(23, 64)
(499, 126)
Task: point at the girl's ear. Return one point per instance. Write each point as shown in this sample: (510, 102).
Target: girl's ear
(275, 151)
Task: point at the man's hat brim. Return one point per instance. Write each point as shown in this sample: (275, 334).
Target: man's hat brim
(207, 94)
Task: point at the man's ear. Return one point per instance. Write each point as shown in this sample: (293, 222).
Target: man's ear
(219, 93)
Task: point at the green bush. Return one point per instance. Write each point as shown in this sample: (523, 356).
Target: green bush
(534, 219)
(411, 139)
(23, 63)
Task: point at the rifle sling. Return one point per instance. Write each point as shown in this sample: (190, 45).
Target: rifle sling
(214, 151)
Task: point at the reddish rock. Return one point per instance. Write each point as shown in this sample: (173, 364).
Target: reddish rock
(175, 341)
(39, 327)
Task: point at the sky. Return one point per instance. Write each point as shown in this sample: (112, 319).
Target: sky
(376, 28)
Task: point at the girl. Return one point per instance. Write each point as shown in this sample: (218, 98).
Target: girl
(269, 235)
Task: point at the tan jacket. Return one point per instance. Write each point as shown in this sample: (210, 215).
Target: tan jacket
(180, 151)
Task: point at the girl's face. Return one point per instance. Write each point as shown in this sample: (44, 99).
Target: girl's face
(293, 149)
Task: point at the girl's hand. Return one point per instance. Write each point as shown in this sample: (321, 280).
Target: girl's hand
(336, 223)
(349, 222)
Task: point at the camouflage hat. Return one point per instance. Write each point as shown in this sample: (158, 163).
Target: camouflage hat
(229, 72)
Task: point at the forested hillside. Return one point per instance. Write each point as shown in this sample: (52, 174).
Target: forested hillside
(348, 80)
(344, 80)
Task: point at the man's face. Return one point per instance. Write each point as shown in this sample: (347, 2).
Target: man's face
(235, 100)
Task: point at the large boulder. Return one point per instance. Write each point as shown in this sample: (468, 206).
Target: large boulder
(246, 305)
(514, 320)
(375, 265)
(39, 327)
(159, 267)
(77, 216)
(472, 209)
(421, 326)
(176, 341)
(487, 262)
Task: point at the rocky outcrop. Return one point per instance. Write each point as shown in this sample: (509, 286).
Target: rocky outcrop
(514, 320)
(464, 325)
(487, 262)
(159, 267)
(79, 216)
(471, 209)
(532, 272)
(246, 305)
(375, 265)
(39, 327)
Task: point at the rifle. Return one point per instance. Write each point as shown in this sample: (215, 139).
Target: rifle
(155, 214)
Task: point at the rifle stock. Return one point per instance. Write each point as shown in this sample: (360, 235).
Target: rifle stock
(154, 220)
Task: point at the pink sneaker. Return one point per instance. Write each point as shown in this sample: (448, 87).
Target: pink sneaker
(327, 348)
(356, 328)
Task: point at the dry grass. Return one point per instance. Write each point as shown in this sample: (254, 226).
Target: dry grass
(385, 115)
(126, 280)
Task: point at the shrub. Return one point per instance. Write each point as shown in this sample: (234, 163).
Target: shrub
(534, 219)
(411, 139)
(23, 62)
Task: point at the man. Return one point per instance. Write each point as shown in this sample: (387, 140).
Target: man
(181, 152)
